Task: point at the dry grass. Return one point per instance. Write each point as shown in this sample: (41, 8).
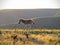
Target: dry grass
(36, 36)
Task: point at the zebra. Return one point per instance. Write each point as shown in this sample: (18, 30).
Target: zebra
(27, 22)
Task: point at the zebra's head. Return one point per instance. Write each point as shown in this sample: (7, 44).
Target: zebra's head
(20, 21)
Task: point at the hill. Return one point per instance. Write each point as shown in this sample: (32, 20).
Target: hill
(48, 22)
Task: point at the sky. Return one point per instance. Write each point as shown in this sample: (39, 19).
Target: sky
(29, 4)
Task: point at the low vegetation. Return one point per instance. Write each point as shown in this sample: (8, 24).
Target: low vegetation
(35, 37)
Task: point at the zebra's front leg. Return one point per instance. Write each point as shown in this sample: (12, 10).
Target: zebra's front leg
(25, 27)
(29, 26)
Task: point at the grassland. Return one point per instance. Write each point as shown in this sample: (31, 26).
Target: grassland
(36, 36)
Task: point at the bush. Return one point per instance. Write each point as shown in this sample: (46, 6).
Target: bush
(0, 32)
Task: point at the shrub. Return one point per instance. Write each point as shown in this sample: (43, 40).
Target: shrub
(0, 32)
